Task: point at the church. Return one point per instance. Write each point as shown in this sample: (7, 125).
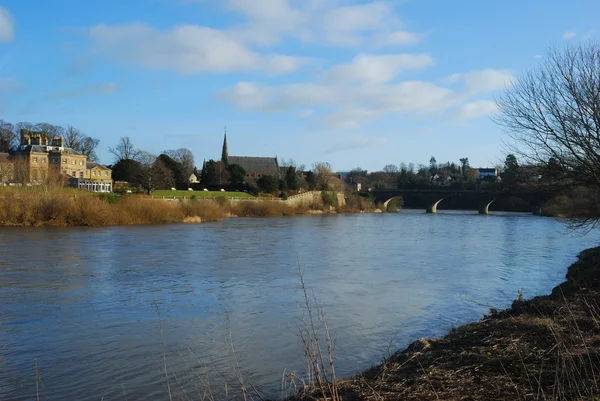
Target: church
(255, 167)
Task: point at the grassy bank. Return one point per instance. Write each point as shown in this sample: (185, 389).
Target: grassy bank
(57, 206)
(546, 348)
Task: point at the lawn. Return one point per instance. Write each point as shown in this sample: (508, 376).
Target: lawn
(170, 193)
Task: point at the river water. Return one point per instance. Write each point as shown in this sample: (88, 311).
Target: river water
(93, 313)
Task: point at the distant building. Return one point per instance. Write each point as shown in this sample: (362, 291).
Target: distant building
(484, 173)
(39, 156)
(193, 179)
(255, 167)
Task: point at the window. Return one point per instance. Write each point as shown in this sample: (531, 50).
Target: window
(44, 160)
(81, 174)
(35, 159)
(73, 161)
(106, 173)
(74, 174)
(55, 160)
(94, 173)
(65, 160)
(81, 162)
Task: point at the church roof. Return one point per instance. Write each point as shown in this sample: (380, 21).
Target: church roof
(257, 165)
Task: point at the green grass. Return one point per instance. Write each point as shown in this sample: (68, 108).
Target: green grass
(198, 194)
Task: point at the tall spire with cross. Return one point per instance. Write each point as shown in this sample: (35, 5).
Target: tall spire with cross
(225, 153)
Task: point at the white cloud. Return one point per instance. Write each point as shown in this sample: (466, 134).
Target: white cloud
(96, 89)
(488, 80)
(378, 68)
(569, 35)
(358, 142)
(189, 49)
(477, 109)
(347, 104)
(332, 22)
(7, 26)
(399, 38)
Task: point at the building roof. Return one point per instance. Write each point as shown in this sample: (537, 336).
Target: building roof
(487, 170)
(91, 165)
(257, 165)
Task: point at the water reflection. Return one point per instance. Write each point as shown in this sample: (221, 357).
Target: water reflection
(86, 301)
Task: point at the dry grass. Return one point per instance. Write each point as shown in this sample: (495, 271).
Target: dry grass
(56, 206)
(53, 205)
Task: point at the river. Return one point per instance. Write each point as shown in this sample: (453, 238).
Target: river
(99, 310)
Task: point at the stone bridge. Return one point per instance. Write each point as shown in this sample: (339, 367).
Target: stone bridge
(431, 198)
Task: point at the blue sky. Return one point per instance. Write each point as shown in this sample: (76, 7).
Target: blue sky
(355, 83)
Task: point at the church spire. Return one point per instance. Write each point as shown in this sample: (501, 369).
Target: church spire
(225, 153)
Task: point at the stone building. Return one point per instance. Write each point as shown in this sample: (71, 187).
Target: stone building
(39, 157)
(255, 167)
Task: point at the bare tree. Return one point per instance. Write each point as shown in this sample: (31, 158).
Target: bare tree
(125, 150)
(147, 161)
(390, 168)
(48, 130)
(8, 136)
(77, 140)
(324, 175)
(184, 157)
(553, 112)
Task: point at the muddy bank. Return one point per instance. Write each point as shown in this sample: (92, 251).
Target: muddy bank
(545, 348)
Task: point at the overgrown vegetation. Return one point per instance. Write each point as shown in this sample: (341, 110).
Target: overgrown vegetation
(53, 205)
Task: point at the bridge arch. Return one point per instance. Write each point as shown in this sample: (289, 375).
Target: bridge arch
(484, 208)
(387, 202)
(433, 207)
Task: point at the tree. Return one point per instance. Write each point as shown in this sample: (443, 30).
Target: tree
(511, 174)
(185, 158)
(125, 150)
(268, 183)
(323, 175)
(180, 180)
(553, 113)
(432, 166)
(211, 174)
(128, 170)
(49, 131)
(148, 171)
(390, 169)
(161, 176)
(8, 136)
(77, 140)
(311, 180)
(464, 167)
(291, 178)
(552, 171)
(237, 175)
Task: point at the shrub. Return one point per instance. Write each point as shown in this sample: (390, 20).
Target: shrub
(329, 198)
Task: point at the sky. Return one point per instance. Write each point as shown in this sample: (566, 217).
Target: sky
(356, 83)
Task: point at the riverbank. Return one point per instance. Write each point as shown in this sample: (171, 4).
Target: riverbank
(544, 348)
(60, 207)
